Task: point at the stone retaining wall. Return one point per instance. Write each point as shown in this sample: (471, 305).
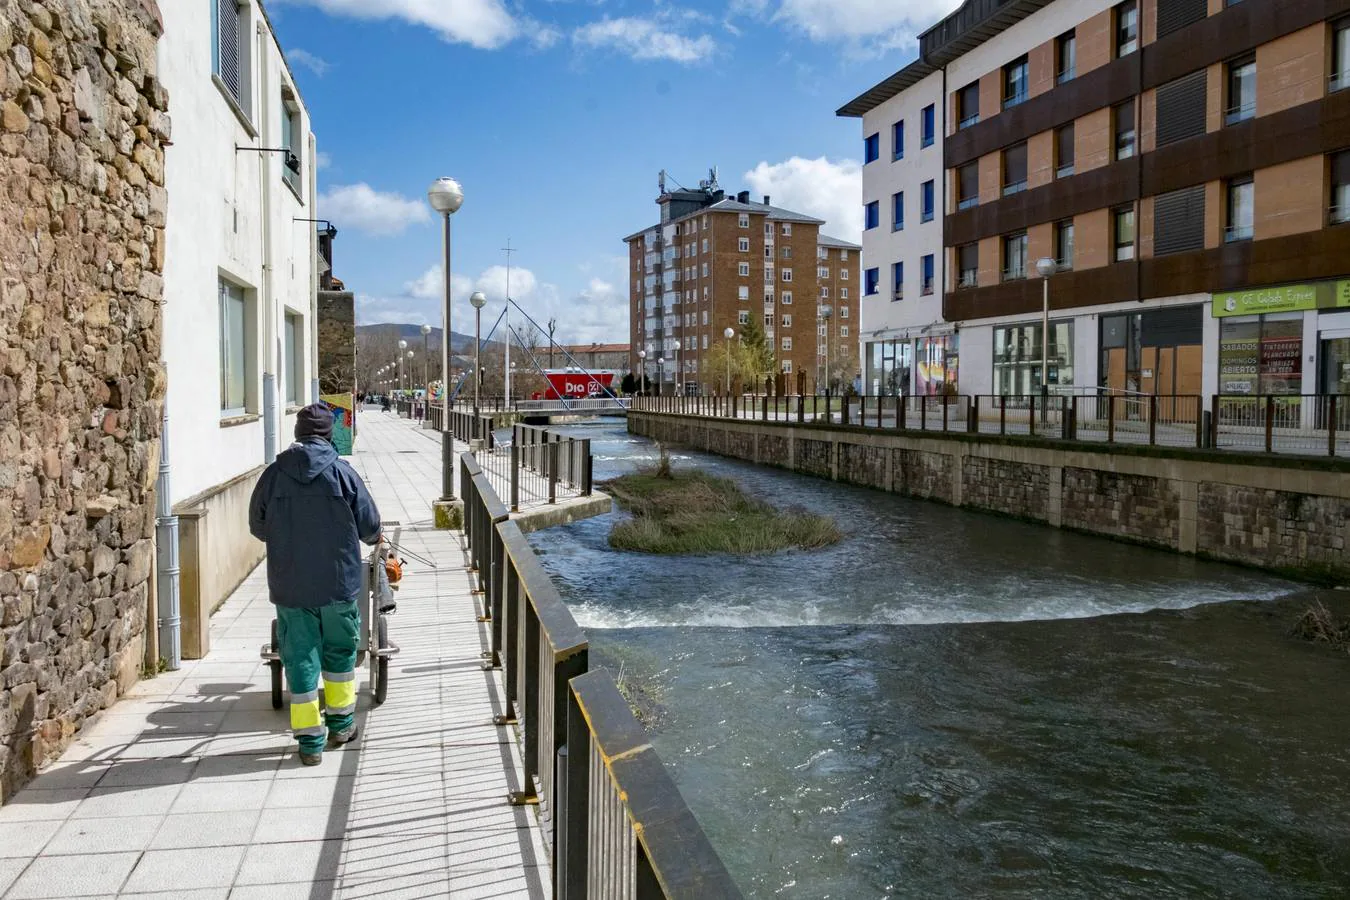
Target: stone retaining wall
(82, 205)
(1286, 514)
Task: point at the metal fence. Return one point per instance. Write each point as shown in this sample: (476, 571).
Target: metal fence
(597, 405)
(540, 465)
(1308, 424)
(615, 824)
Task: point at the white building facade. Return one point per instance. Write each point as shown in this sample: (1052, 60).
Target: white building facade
(240, 280)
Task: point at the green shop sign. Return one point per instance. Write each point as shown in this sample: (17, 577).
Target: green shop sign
(1289, 298)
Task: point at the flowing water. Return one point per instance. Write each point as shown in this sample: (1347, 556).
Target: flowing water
(948, 704)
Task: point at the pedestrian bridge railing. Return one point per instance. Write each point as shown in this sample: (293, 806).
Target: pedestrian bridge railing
(595, 405)
(615, 824)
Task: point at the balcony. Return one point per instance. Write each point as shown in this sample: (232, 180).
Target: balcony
(1338, 215)
(1016, 187)
(1064, 171)
(968, 121)
(968, 279)
(1015, 99)
(1338, 81)
(1237, 114)
(1016, 272)
(1068, 74)
(968, 202)
(1235, 233)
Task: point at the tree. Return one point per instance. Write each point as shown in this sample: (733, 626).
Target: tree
(629, 385)
(760, 360)
(715, 364)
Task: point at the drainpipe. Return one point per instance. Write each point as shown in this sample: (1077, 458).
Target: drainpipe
(270, 340)
(166, 558)
(313, 275)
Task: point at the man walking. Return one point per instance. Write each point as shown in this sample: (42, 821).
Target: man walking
(313, 512)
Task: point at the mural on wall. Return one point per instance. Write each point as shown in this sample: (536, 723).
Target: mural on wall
(344, 420)
(938, 365)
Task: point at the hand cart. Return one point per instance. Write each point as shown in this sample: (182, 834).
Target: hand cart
(377, 603)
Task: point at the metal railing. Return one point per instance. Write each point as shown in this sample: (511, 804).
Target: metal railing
(1310, 424)
(615, 824)
(540, 465)
(598, 404)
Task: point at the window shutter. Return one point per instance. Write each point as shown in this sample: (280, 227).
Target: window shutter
(1179, 221)
(1015, 164)
(1340, 167)
(227, 40)
(1181, 109)
(1174, 15)
(1065, 139)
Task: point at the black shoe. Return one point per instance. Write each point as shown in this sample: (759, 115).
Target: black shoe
(346, 736)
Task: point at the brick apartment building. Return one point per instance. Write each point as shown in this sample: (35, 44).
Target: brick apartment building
(714, 261)
(1184, 163)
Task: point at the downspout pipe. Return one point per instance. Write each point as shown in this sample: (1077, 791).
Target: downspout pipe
(314, 275)
(166, 558)
(270, 340)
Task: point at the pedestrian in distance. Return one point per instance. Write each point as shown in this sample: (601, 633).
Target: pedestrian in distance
(314, 512)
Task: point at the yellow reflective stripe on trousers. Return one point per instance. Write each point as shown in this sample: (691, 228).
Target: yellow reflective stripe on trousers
(305, 718)
(339, 691)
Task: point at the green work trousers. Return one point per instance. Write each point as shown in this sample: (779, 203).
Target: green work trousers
(320, 644)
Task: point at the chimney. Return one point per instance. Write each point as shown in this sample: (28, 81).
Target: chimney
(743, 197)
(766, 199)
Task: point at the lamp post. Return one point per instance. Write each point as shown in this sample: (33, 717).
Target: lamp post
(1045, 267)
(729, 334)
(446, 197)
(679, 372)
(642, 361)
(660, 374)
(478, 299)
(826, 312)
(402, 345)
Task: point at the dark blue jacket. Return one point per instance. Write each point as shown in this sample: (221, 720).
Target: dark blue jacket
(313, 512)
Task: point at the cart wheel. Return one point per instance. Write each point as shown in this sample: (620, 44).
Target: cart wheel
(381, 685)
(277, 698)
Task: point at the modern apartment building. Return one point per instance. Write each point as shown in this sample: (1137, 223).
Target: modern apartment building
(1183, 165)
(240, 280)
(713, 262)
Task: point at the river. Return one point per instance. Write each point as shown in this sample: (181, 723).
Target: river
(951, 705)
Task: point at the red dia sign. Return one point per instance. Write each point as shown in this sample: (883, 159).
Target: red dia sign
(578, 385)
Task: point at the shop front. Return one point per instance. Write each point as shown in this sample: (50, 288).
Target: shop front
(889, 368)
(1263, 333)
(1017, 358)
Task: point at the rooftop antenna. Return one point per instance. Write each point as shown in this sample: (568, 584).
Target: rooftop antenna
(661, 181)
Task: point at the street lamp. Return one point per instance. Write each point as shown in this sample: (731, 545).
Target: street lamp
(826, 312)
(660, 374)
(679, 372)
(1045, 267)
(729, 334)
(446, 196)
(642, 358)
(402, 345)
(478, 299)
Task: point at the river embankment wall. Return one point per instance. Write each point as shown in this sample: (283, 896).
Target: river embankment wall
(1285, 514)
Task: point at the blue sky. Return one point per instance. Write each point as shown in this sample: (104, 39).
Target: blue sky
(556, 116)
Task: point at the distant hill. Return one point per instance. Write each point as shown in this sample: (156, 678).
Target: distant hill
(463, 343)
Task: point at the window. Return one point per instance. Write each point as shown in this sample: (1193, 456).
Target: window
(743, 317)
(743, 221)
(1066, 57)
(768, 323)
(871, 215)
(233, 351)
(1340, 187)
(843, 254)
(870, 279)
(1064, 244)
(787, 367)
(897, 281)
(291, 140)
(1015, 169)
(843, 310)
(787, 229)
(787, 298)
(743, 292)
(926, 275)
(1127, 28)
(1241, 90)
(230, 52)
(744, 245)
(1124, 129)
(926, 202)
(824, 292)
(787, 253)
(843, 329)
(898, 140)
(1015, 257)
(1015, 82)
(967, 265)
(1340, 57)
(787, 320)
(768, 274)
(705, 245)
(843, 276)
(705, 317)
(1064, 151)
(787, 274)
(928, 125)
(744, 270)
(294, 348)
(871, 148)
(898, 211)
(1238, 226)
(968, 186)
(705, 270)
(705, 340)
(1123, 231)
(823, 272)
(1017, 357)
(822, 253)
(968, 105)
(768, 230)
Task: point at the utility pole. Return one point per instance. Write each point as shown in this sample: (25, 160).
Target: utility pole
(506, 365)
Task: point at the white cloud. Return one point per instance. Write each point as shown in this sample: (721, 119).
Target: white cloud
(322, 160)
(878, 25)
(315, 64)
(486, 24)
(362, 208)
(819, 187)
(644, 39)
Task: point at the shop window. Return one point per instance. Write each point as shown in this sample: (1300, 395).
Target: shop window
(1261, 354)
(1018, 358)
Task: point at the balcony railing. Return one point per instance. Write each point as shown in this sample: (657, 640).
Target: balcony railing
(1015, 273)
(1016, 99)
(1338, 81)
(1068, 74)
(968, 202)
(1064, 171)
(1016, 187)
(1236, 114)
(969, 279)
(968, 121)
(1233, 233)
(1338, 215)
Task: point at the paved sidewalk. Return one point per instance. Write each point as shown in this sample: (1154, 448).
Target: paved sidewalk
(190, 787)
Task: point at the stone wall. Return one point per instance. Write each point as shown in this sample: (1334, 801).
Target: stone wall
(1287, 514)
(82, 204)
(337, 342)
